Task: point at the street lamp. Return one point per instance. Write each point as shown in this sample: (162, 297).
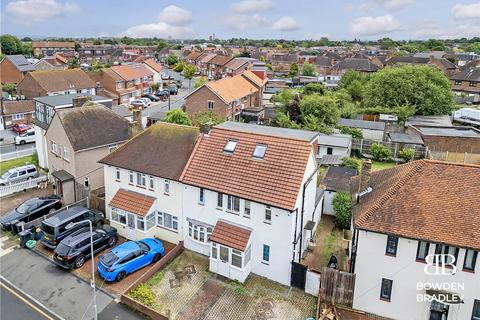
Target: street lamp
(92, 284)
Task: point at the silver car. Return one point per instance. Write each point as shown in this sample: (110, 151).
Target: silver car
(19, 174)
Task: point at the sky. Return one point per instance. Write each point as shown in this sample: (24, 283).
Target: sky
(256, 19)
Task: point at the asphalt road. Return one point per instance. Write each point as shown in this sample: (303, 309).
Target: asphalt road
(7, 148)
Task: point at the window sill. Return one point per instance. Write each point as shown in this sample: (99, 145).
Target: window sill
(117, 180)
(266, 263)
(421, 261)
(150, 189)
(390, 254)
(233, 212)
(384, 299)
(219, 208)
(468, 270)
(248, 217)
(141, 187)
(166, 194)
(267, 222)
(131, 184)
(201, 203)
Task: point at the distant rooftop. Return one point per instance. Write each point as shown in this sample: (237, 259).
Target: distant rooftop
(438, 121)
(66, 99)
(463, 132)
(335, 140)
(405, 138)
(269, 131)
(362, 124)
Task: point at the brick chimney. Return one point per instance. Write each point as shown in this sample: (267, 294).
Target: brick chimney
(365, 175)
(137, 118)
(80, 101)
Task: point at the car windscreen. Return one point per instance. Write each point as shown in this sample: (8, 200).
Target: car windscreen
(109, 259)
(6, 174)
(24, 207)
(62, 249)
(47, 229)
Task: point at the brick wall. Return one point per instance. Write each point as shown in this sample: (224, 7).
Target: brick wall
(198, 102)
(452, 144)
(465, 86)
(30, 88)
(9, 73)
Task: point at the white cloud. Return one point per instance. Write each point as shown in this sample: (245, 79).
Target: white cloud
(251, 6)
(31, 11)
(243, 22)
(432, 30)
(173, 22)
(466, 11)
(371, 26)
(395, 4)
(286, 23)
(175, 16)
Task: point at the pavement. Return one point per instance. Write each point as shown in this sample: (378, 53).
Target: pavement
(11, 147)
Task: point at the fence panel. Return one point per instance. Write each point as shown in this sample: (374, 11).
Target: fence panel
(364, 145)
(337, 287)
(24, 185)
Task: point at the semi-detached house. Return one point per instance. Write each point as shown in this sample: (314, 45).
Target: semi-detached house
(241, 194)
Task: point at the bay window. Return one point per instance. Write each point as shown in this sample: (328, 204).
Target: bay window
(118, 215)
(199, 233)
(150, 220)
(141, 223)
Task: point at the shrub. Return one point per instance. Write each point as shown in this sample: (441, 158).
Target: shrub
(406, 154)
(349, 162)
(354, 132)
(144, 294)
(342, 206)
(380, 152)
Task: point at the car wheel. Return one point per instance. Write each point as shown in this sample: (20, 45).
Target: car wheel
(22, 142)
(112, 241)
(157, 257)
(79, 261)
(120, 276)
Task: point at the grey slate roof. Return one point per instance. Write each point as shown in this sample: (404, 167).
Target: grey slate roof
(439, 121)
(20, 62)
(269, 131)
(464, 132)
(331, 160)
(362, 124)
(338, 178)
(66, 99)
(335, 140)
(471, 74)
(122, 110)
(357, 64)
(92, 125)
(405, 138)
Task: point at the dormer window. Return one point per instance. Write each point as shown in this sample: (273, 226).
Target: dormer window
(230, 146)
(259, 152)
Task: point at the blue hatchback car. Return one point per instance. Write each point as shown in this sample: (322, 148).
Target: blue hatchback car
(129, 257)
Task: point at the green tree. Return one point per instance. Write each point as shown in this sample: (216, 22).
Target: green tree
(350, 76)
(179, 67)
(171, 60)
(155, 87)
(188, 72)
(177, 116)
(380, 152)
(284, 98)
(410, 48)
(473, 47)
(312, 88)
(293, 70)
(348, 110)
(206, 118)
(283, 120)
(97, 66)
(342, 206)
(293, 109)
(323, 108)
(356, 90)
(342, 97)
(354, 132)
(308, 70)
(8, 87)
(386, 43)
(162, 45)
(200, 81)
(406, 154)
(269, 66)
(97, 42)
(10, 44)
(351, 162)
(74, 63)
(424, 87)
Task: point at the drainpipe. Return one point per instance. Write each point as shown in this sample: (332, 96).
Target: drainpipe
(353, 256)
(295, 235)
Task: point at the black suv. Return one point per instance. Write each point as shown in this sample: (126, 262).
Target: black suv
(30, 210)
(73, 251)
(55, 229)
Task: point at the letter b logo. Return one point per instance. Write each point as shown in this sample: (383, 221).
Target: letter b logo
(437, 264)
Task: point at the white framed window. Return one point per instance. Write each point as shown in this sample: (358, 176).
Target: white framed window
(247, 255)
(236, 258)
(86, 182)
(141, 223)
(112, 148)
(214, 251)
(201, 196)
(211, 104)
(268, 214)
(151, 184)
(199, 233)
(118, 215)
(141, 180)
(150, 218)
(219, 200)
(166, 187)
(233, 204)
(117, 174)
(130, 177)
(19, 116)
(54, 147)
(246, 211)
(167, 220)
(66, 154)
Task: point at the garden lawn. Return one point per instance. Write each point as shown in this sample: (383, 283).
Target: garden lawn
(9, 164)
(377, 165)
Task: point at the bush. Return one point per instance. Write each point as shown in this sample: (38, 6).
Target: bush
(349, 162)
(342, 206)
(354, 132)
(312, 88)
(144, 294)
(406, 154)
(380, 152)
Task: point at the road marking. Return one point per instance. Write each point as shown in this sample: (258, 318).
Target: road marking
(27, 302)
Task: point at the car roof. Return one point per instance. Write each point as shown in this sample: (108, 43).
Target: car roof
(22, 167)
(60, 217)
(125, 248)
(78, 236)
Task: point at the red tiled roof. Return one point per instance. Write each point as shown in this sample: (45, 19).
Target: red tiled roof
(232, 88)
(133, 202)
(230, 235)
(193, 55)
(152, 64)
(132, 71)
(428, 200)
(275, 180)
(254, 78)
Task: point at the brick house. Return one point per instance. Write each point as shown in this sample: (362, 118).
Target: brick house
(237, 65)
(13, 112)
(192, 56)
(216, 66)
(443, 64)
(362, 65)
(48, 48)
(227, 97)
(467, 82)
(13, 68)
(53, 82)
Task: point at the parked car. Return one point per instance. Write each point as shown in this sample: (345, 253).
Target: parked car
(129, 257)
(163, 94)
(19, 174)
(146, 100)
(179, 83)
(26, 137)
(31, 209)
(54, 228)
(74, 250)
(20, 127)
(173, 89)
(151, 97)
(140, 104)
(165, 76)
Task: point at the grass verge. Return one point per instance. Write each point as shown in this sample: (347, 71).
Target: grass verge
(9, 164)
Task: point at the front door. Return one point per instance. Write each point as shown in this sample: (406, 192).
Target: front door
(224, 262)
(131, 233)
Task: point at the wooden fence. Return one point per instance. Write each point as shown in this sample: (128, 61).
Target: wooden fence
(336, 287)
(364, 145)
(21, 186)
(97, 199)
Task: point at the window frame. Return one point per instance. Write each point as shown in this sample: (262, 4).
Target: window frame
(258, 149)
(231, 204)
(219, 200)
(173, 221)
(247, 207)
(268, 215)
(151, 183)
(389, 296)
(201, 196)
(66, 154)
(166, 186)
(440, 248)
(265, 261)
(474, 261)
(210, 104)
(389, 238)
(427, 250)
(476, 308)
(117, 174)
(131, 178)
(141, 180)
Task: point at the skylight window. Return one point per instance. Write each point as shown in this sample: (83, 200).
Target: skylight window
(259, 152)
(230, 146)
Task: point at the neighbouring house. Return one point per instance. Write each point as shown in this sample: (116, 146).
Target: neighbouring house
(55, 82)
(77, 138)
(48, 48)
(236, 66)
(192, 57)
(104, 53)
(249, 194)
(370, 129)
(217, 65)
(14, 112)
(467, 82)
(55, 62)
(143, 194)
(443, 64)
(13, 68)
(156, 69)
(407, 221)
(45, 108)
(336, 179)
(363, 65)
(334, 144)
(227, 97)
(323, 65)
(203, 63)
